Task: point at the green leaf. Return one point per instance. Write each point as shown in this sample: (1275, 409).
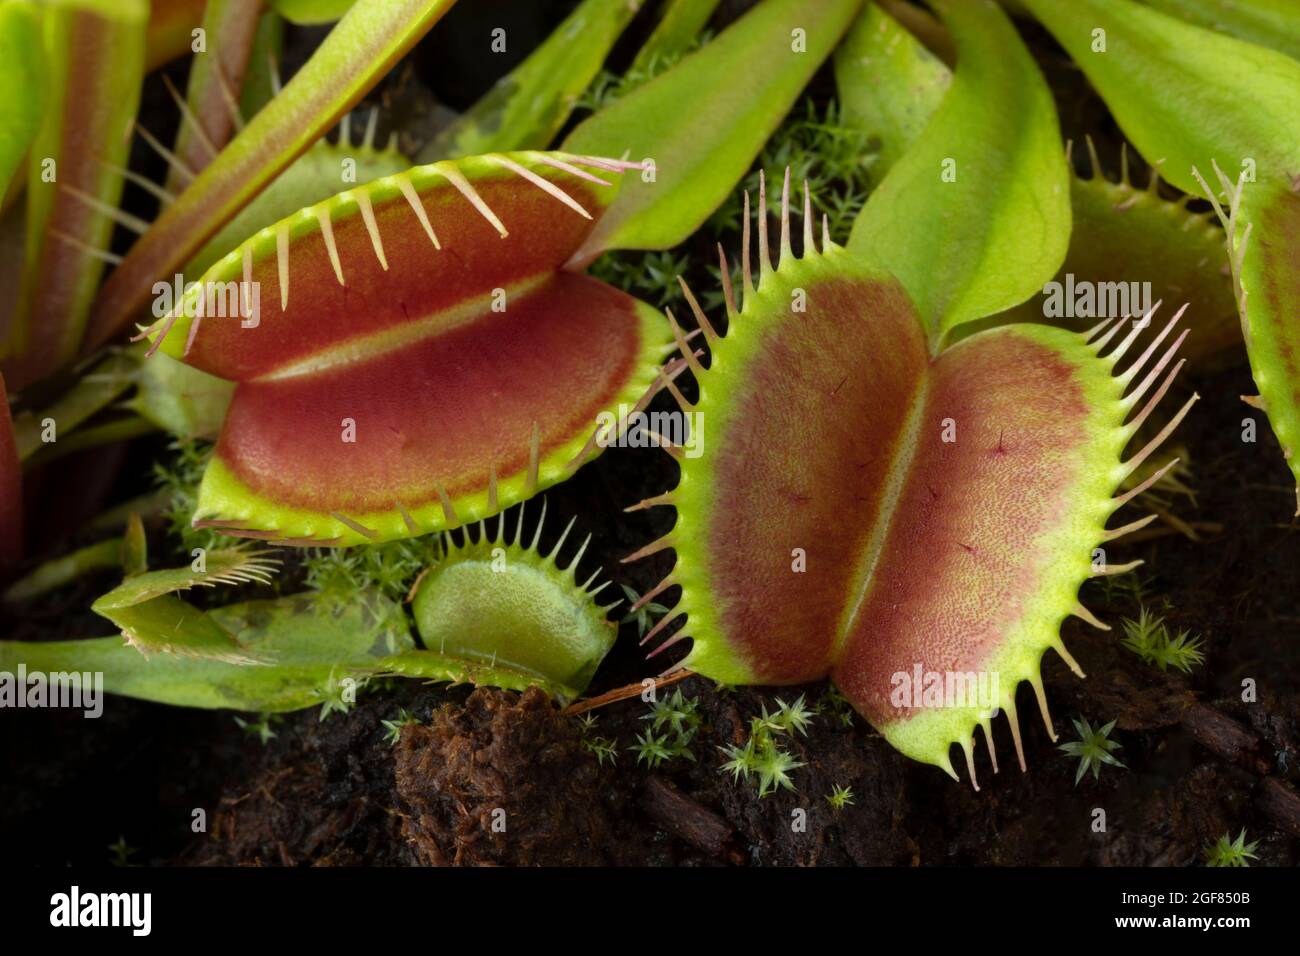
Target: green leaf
(1184, 96)
(260, 78)
(180, 398)
(527, 107)
(1188, 98)
(21, 86)
(1271, 23)
(703, 121)
(985, 189)
(889, 85)
(308, 12)
(679, 24)
(94, 54)
(443, 668)
(153, 619)
(1221, 118)
(207, 119)
(63, 570)
(91, 393)
(307, 644)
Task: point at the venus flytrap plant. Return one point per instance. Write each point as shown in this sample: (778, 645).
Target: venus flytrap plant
(1269, 23)
(1125, 237)
(93, 54)
(1002, 452)
(891, 85)
(888, 456)
(489, 611)
(210, 119)
(512, 221)
(152, 619)
(261, 158)
(992, 144)
(682, 25)
(21, 66)
(372, 36)
(700, 126)
(505, 604)
(94, 61)
(1162, 78)
(170, 32)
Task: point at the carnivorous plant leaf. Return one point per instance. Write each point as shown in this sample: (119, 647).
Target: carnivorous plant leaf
(92, 392)
(357, 53)
(21, 67)
(888, 83)
(179, 398)
(1271, 23)
(527, 107)
(680, 22)
(153, 619)
(305, 645)
(705, 119)
(170, 31)
(1131, 248)
(95, 63)
(473, 378)
(216, 78)
(311, 11)
(1222, 118)
(312, 178)
(506, 604)
(866, 512)
(984, 190)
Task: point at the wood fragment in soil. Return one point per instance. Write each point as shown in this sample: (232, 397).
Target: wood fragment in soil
(688, 819)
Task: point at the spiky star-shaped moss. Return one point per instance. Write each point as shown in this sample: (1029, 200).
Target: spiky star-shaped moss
(1229, 852)
(773, 770)
(260, 728)
(675, 712)
(1148, 637)
(393, 728)
(645, 615)
(1093, 748)
(840, 797)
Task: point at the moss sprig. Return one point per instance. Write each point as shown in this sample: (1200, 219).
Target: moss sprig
(1093, 748)
(263, 728)
(388, 569)
(602, 748)
(1229, 852)
(393, 728)
(1149, 638)
(840, 797)
(762, 759)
